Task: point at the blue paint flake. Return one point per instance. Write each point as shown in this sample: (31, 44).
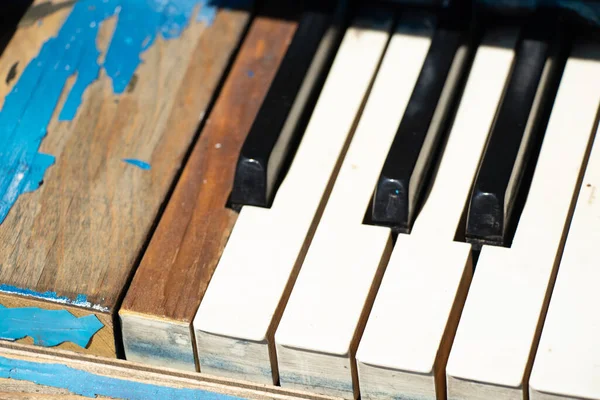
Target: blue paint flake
(80, 300)
(138, 163)
(48, 328)
(92, 385)
(29, 107)
(208, 8)
(207, 13)
(250, 74)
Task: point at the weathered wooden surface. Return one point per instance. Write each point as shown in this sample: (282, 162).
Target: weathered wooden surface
(119, 374)
(160, 305)
(81, 232)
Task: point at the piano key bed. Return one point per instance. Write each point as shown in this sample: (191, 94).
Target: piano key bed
(218, 199)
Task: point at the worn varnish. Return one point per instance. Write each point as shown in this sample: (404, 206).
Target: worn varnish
(158, 310)
(81, 232)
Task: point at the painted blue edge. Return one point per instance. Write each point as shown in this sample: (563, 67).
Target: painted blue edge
(91, 385)
(47, 328)
(80, 300)
(207, 12)
(138, 163)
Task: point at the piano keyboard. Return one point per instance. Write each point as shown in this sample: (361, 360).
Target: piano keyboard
(300, 199)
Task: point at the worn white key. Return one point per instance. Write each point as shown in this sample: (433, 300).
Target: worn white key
(492, 352)
(237, 318)
(404, 348)
(567, 363)
(316, 338)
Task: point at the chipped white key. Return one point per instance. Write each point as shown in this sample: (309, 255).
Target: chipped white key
(492, 352)
(567, 363)
(404, 348)
(236, 321)
(318, 334)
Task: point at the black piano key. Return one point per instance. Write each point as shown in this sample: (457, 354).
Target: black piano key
(265, 150)
(516, 134)
(12, 14)
(409, 160)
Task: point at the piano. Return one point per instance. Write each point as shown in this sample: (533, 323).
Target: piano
(292, 199)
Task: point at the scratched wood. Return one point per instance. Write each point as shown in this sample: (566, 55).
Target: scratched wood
(25, 390)
(160, 305)
(82, 231)
(119, 371)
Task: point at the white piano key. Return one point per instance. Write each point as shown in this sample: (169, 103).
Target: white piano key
(567, 363)
(406, 342)
(235, 323)
(499, 327)
(317, 335)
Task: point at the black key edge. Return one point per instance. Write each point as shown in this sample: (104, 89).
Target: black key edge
(408, 165)
(259, 169)
(493, 215)
(11, 14)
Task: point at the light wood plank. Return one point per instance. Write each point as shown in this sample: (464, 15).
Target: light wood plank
(81, 232)
(242, 306)
(317, 336)
(407, 339)
(501, 321)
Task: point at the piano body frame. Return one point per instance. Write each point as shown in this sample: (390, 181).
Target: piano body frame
(32, 372)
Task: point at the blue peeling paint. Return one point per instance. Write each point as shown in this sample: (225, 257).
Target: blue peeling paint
(48, 328)
(29, 107)
(138, 163)
(88, 384)
(80, 300)
(208, 8)
(207, 13)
